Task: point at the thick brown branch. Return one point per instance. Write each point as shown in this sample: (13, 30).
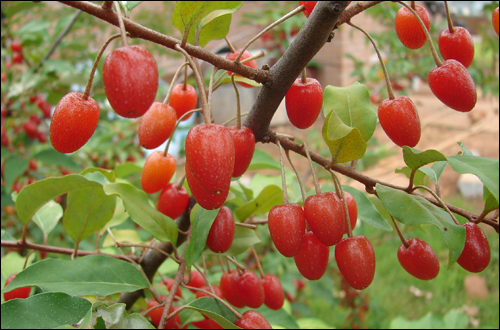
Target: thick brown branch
(354, 10)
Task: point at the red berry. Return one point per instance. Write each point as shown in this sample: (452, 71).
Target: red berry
(156, 125)
(197, 280)
(183, 100)
(16, 46)
(169, 282)
(42, 137)
(45, 107)
(458, 45)
(244, 147)
(73, 123)
(400, 121)
(309, 6)
(419, 259)
(206, 200)
(173, 201)
(352, 208)
(210, 157)
(494, 19)
(155, 315)
(221, 233)
(35, 119)
(303, 102)
(312, 260)
(246, 54)
(252, 320)
(130, 78)
(217, 291)
(273, 292)
(21, 293)
(157, 172)
(205, 324)
(325, 216)
(452, 84)
(227, 290)
(17, 58)
(33, 98)
(31, 129)
(287, 225)
(248, 288)
(408, 27)
(32, 165)
(356, 261)
(476, 254)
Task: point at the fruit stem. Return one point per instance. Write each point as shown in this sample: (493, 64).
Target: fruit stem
(304, 76)
(443, 204)
(238, 109)
(245, 225)
(237, 264)
(217, 83)
(199, 82)
(184, 86)
(390, 91)
(315, 178)
(259, 266)
(176, 75)
(412, 4)
(120, 22)
(230, 45)
(222, 264)
(287, 153)
(181, 183)
(448, 17)
(176, 125)
(86, 93)
(235, 312)
(401, 237)
(434, 53)
(283, 177)
(234, 118)
(294, 12)
(340, 190)
(210, 92)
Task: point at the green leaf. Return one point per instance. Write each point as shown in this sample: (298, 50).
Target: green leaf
(455, 319)
(129, 5)
(116, 317)
(262, 160)
(367, 211)
(420, 177)
(90, 275)
(238, 78)
(270, 196)
(243, 239)
(210, 20)
(213, 309)
(464, 150)
(44, 311)
(248, 192)
(126, 169)
(415, 158)
(415, 210)
(47, 217)
(52, 157)
(486, 169)
(311, 323)
(108, 175)
(17, 6)
(141, 212)
(439, 167)
(13, 168)
(122, 236)
(201, 222)
(490, 203)
(279, 317)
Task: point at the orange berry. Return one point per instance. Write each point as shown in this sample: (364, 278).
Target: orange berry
(157, 172)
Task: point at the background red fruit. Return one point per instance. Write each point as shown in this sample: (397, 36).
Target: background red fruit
(155, 315)
(246, 54)
(248, 288)
(17, 58)
(21, 293)
(206, 200)
(244, 147)
(494, 19)
(252, 320)
(73, 122)
(274, 297)
(221, 233)
(356, 261)
(172, 201)
(156, 125)
(183, 100)
(303, 102)
(287, 225)
(452, 84)
(312, 259)
(408, 28)
(31, 129)
(130, 78)
(325, 216)
(217, 291)
(458, 45)
(197, 280)
(309, 6)
(227, 290)
(419, 259)
(16, 46)
(476, 255)
(157, 172)
(400, 121)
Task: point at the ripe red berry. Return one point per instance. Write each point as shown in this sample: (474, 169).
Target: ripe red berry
(408, 27)
(458, 45)
(21, 293)
(419, 259)
(452, 84)
(217, 291)
(273, 292)
(309, 6)
(227, 290)
(221, 233)
(476, 254)
(16, 46)
(31, 129)
(248, 288)
(246, 54)
(183, 100)
(252, 320)
(130, 78)
(42, 137)
(206, 200)
(173, 201)
(494, 19)
(312, 259)
(352, 208)
(400, 121)
(155, 315)
(356, 261)
(17, 58)
(157, 172)
(34, 118)
(287, 225)
(45, 107)
(169, 282)
(73, 122)
(303, 102)
(32, 165)
(244, 147)
(204, 324)
(156, 125)
(325, 216)
(197, 280)
(210, 156)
